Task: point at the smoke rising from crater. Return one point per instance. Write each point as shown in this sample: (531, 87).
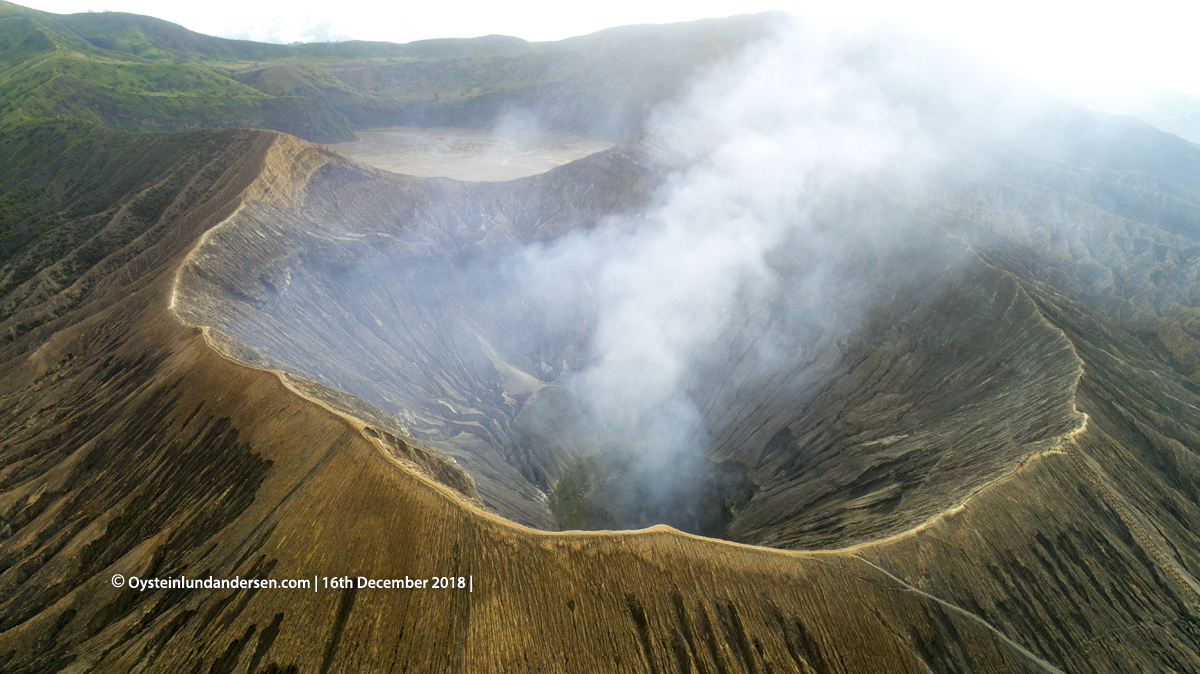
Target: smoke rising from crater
(500, 323)
(794, 155)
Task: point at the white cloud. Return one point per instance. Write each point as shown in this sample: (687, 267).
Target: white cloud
(794, 129)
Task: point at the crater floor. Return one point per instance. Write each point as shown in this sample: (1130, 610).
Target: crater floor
(468, 154)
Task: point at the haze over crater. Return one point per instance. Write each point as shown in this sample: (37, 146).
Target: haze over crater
(704, 292)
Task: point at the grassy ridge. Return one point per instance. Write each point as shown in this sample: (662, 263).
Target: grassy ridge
(164, 97)
(157, 40)
(72, 194)
(49, 72)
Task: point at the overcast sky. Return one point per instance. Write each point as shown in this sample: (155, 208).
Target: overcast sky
(1098, 44)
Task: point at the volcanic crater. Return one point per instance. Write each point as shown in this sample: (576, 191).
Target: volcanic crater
(394, 289)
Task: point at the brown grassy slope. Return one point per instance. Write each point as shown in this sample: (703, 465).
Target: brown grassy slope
(131, 447)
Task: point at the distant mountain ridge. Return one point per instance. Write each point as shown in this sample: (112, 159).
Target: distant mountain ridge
(138, 73)
(1175, 112)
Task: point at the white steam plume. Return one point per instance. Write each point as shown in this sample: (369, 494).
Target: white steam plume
(789, 124)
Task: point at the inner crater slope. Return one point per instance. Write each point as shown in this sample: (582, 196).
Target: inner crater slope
(396, 290)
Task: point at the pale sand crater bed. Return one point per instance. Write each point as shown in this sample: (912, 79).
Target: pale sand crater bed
(468, 154)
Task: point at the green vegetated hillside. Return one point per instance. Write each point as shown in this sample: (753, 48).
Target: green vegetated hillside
(138, 73)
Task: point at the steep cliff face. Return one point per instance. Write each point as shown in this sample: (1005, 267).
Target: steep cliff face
(421, 339)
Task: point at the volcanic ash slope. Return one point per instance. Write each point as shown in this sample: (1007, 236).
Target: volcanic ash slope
(132, 446)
